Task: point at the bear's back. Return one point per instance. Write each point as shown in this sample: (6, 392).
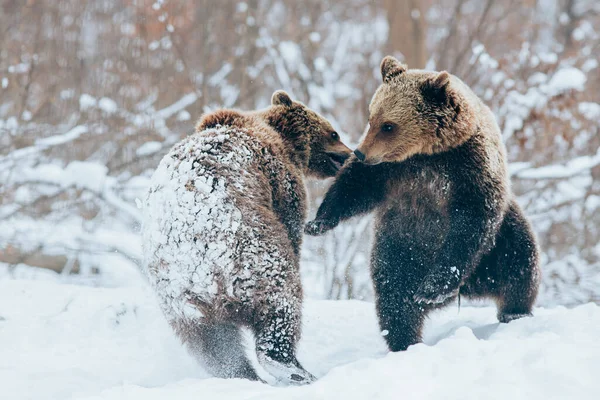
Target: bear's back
(195, 211)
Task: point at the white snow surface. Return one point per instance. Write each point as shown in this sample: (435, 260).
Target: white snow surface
(64, 341)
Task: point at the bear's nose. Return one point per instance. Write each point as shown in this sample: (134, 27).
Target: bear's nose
(360, 155)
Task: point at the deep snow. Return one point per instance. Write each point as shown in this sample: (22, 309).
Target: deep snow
(63, 341)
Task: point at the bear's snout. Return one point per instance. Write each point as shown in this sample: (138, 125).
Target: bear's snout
(360, 155)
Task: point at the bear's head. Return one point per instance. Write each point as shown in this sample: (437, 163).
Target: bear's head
(414, 112)
(311, 139)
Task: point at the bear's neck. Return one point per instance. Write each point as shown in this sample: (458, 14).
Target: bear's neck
(294, 141)
(455, 126)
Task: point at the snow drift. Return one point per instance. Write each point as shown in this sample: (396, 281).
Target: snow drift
(75, 342)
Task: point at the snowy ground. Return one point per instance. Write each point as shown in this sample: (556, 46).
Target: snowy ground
(61, 341)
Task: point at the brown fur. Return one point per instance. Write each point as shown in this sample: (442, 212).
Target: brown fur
(434, 170)
(304, 137)
(300, 138)
(447, 115)
(260, 159)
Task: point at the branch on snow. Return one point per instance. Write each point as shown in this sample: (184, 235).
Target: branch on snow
(576, 166)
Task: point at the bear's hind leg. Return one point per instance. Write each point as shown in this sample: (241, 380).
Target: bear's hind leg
(277, 331)
(514, 264)
(219, 349)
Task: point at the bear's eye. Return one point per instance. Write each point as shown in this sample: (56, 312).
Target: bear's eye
(387, 128)
(335, 136)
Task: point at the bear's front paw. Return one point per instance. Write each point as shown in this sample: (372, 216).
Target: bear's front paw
(436, 288)
(318, 227)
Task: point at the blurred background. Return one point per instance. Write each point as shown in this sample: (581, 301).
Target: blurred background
(94, 93)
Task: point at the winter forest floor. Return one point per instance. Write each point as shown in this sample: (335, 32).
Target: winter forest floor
(62, 341)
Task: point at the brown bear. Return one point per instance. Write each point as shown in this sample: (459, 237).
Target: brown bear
(222, 230)
(432, 164)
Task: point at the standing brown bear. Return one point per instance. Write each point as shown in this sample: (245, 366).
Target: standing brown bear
(222, 232)
(432, 165)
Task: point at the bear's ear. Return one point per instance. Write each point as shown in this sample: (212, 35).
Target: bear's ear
(435, 89)
(281, 98)
(390, 67)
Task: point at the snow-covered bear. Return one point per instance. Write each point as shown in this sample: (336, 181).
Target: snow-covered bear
(223, 222)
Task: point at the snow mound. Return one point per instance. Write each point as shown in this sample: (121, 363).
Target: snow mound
(63, 341)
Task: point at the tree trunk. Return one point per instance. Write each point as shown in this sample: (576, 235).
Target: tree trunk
(407, 31)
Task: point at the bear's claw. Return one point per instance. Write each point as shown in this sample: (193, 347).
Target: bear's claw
(436, 289)
(290, 373)
(506, 317)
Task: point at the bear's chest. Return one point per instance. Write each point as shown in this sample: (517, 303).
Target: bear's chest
(419, 188)
(417, 202)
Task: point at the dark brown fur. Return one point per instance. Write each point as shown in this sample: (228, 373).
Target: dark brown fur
(434, 171)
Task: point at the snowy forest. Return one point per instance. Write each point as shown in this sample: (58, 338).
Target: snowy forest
(93, 94)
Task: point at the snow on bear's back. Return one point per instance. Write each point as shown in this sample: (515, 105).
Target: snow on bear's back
(192, 216)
